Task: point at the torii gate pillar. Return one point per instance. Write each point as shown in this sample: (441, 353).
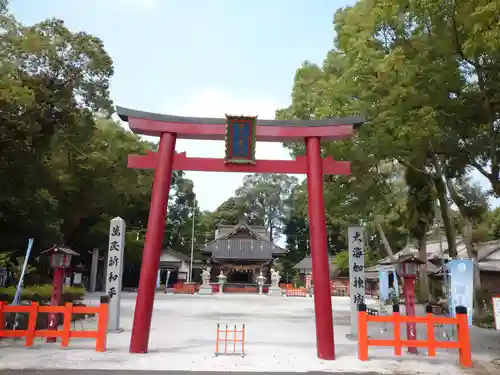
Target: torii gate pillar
(169, 128)
(319, 250)
(152, 246)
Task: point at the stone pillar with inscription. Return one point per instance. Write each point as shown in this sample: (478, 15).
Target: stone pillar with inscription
(114, 271)
(356, 275)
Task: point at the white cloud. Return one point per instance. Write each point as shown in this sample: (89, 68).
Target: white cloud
(213, 188)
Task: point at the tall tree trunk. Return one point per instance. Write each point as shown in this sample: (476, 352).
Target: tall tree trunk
(445, 212)
(387, 246)
(466, 231)
(424, 276)
(445, 216)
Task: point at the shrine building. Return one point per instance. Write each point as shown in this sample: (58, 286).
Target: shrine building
(174, 267)
(241, 252)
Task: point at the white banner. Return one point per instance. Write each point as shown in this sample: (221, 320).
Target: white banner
(386, 268)
(356, 274)
(114, 271)
(496, 311)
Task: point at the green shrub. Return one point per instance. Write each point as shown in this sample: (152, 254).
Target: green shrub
(485, 320)
(42, 293)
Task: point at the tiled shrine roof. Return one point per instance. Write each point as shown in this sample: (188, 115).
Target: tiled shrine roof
(243, 244)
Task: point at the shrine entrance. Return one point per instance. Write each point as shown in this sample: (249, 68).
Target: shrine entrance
(240, 277)
(241, 134)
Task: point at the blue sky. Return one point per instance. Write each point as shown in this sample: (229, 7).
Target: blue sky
(201, 58)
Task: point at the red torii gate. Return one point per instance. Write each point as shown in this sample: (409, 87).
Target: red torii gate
(169, 129)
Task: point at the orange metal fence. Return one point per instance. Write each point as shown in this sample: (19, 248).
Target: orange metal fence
(30, 333)
(181, 288)
(286, 286)
(462, 343)
(231, 336)
(240, 289)
(297, 292)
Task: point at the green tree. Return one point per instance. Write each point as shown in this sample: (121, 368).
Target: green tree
(420, 217)
(181, 208)
(51, 82)
(266, 197)
(495, 223)
(64, 163)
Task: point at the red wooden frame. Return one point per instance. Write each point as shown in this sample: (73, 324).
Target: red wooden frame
(185, 163)
(154, 124)
(223, 336)
(462, 343)
(218, 132)
(169, 129)
(30, 333)
(296, 292)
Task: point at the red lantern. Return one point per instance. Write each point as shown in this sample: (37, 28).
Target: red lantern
(60, 260)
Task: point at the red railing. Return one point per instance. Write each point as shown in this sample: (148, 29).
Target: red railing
(240, 289)
(296, 292)
(30, 333)
(228, 335)
(462, 343)
(181, 288)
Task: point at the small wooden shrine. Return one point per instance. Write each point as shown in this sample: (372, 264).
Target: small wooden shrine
(241, 252)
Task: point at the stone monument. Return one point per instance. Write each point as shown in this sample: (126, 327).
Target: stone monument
(274, 289)
(205, 287)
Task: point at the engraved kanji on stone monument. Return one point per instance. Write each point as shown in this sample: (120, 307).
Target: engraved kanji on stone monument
(114, 271)
(356, 273)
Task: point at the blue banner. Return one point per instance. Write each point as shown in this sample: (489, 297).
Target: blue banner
(17, 296)
(240, 139)
(461, 285)
(383, 277)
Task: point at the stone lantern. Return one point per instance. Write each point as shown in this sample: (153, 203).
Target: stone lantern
(60, 260)
(260, 281)
(222, 281)
(408, 267)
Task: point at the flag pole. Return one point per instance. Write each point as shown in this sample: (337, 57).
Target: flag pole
(192, 243)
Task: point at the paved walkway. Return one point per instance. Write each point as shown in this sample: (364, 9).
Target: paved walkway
(121, 372)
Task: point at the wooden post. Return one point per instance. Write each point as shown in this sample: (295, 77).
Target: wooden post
(102, 325)
(362, 333)
(31, 329)
(68, 313)
(463, 338)
(398, 348)
(431, 340)
(2, 316)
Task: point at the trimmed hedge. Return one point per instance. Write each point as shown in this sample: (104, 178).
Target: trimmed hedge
(42, 293)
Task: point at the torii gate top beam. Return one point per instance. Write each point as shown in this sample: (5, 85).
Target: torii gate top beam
(153, 124)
